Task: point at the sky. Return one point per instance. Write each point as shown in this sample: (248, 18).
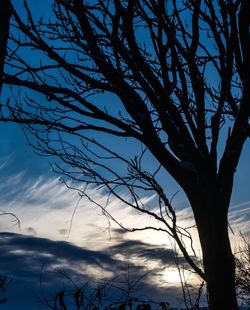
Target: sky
(61, 239)
(48, 241)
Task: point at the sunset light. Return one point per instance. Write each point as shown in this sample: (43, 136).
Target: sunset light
(124, 154)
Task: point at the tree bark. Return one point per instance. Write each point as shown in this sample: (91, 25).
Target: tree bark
(210, 210)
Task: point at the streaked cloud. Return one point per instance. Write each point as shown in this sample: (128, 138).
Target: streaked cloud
(61, 233)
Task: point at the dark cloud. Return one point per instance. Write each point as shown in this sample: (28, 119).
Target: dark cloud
(24, 259)
(31, 231)
(28, 259)
(41, 250)
(149, 252)
(63, 231)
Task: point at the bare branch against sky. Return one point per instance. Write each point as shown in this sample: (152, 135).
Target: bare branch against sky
(129, 93)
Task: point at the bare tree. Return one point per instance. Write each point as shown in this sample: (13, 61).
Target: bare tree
(170, 77)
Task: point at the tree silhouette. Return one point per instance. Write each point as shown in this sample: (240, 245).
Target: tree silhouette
(5, 14)
(170, 78)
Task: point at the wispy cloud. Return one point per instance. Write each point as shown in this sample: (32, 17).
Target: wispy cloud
(46, 207)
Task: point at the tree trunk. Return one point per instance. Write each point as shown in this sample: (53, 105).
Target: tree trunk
(5, 14)
(210, 211)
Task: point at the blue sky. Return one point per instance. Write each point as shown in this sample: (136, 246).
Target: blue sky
(50, 240)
